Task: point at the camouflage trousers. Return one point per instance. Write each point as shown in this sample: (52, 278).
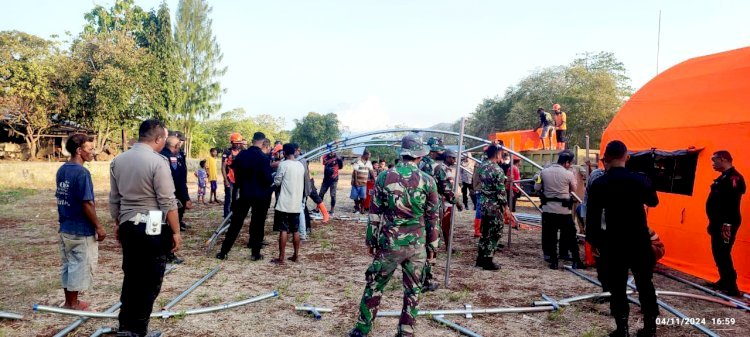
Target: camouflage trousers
(378, 275)
(492, 228)
(445, 225)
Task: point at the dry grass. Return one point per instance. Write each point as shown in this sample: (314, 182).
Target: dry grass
(330, 274)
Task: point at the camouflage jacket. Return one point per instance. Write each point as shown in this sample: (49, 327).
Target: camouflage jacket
(491, 187)
(444, 177)
(407, 203)
(427, 165)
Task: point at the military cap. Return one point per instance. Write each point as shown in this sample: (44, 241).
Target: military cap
(411, 145)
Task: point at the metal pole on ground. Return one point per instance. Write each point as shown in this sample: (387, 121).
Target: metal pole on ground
(739, 304)
(111, 309)
(661, 303)
(192, 287)
(456, 179)
(464, 331)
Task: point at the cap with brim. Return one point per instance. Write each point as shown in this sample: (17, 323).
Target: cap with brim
(411, 145)
(451, 153)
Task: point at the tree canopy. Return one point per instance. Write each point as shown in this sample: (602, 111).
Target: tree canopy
(315, 130)
(590, 90)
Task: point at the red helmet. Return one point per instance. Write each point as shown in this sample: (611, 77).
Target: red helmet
(235, 137)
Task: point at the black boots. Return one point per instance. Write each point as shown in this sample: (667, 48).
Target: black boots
(486, 263)
(649, 327)
(622, 328)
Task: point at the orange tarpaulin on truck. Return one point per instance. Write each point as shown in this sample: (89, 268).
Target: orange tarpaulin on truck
(522, 140)
(700, 103)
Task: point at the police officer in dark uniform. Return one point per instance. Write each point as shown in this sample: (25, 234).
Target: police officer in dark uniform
(724, 218)
(623, 239)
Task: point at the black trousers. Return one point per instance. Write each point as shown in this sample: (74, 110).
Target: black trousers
(551, 224)
(329, 185)
(642, 265)
(240, 208)
(143, 264)
(722, 252)
(468, 191)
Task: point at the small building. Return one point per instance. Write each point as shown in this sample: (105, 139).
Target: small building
(51, 143)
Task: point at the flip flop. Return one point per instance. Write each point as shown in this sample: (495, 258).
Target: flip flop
(292, 258)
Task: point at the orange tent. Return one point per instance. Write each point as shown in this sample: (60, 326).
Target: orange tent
(699, 106)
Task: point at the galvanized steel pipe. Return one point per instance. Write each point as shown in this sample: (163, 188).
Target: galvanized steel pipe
(472, 311)
(92, 314)
(440, 319)
(192, 287)
(111, 309)
(10, 315)
(738, 304)
(661, 303)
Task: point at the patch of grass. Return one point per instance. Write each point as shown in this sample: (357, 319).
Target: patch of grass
(348, 290)
(327, 245)
(302, 298)
(556, 316)
(12, 195)
(319, 278)
(162, 302)
(283, 287)
(393, 285)
(457, 296)
(594, 332)
(457, 254)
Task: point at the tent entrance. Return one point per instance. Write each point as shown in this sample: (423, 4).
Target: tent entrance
(669, 171)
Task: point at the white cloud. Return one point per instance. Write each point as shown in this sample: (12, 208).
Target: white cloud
(365, 115)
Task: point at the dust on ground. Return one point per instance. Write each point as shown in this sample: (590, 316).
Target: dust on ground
(330, 274)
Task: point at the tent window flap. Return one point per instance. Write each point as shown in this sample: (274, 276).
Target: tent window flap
(670, 172)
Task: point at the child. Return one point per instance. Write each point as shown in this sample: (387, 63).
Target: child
(213, 173)
(202, 177)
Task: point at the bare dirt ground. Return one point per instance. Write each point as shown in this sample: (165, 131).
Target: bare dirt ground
(330, 274)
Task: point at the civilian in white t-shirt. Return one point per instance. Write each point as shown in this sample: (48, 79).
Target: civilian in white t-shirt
(362, 170)
(290, 179)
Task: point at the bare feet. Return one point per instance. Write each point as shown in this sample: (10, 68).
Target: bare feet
(80, 305)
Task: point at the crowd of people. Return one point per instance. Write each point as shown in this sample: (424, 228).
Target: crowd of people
(409, 204)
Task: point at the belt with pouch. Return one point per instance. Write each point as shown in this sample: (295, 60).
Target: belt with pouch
(139, 218)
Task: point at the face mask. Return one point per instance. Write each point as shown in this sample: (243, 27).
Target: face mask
(507, 161)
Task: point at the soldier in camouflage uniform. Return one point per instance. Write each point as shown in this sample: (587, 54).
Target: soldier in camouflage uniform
(428, 165)
(445, 175)
(407, 202)
(494, 207)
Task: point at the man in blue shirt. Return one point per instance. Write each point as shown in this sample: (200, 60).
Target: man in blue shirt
(79, 227)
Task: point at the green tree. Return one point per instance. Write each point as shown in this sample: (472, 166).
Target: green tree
(590, 89)
(387, 153)
(315, 130)
(30, 85)
(165, 72)
(215, 133)
(200, 58)
(112, 91)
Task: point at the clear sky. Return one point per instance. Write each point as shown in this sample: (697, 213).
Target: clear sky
(418, 63)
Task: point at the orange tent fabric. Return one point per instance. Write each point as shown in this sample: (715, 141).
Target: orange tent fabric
(522, 140)
(699, 103)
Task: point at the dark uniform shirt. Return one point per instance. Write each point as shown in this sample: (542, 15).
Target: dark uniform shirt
(621, 194)
(723, 204)
(178, 168)
(252, 173)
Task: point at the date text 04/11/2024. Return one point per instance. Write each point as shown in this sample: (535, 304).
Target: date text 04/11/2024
(690, 321)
